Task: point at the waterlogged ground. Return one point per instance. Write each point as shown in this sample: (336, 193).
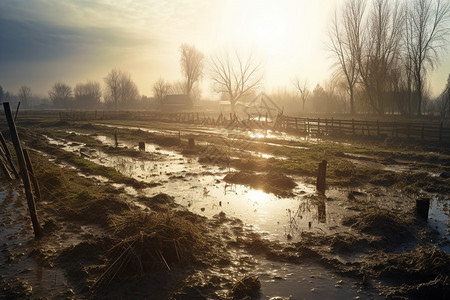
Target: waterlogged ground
(301, 218)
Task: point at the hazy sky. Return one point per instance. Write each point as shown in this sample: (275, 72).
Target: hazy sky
(44, 41)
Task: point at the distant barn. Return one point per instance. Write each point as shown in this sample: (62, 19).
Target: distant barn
(177, 103)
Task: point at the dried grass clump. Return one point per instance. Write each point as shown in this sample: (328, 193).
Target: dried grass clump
(380, 222)
(148, 241)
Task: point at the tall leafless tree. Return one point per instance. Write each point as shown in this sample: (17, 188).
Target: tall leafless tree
(302, 87)
(60, 94)
(235, 75)
(24, 95)
(380, 50)
(427, 30)
(161, 89)
(191, 62)
(345, 43)
(112, 81)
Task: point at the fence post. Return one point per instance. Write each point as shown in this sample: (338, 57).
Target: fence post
(321, 176)
(440, 132)
(423, 130)
(8, 156)
(368, 128)
(37, 190)
(353, 126)
(23, 172)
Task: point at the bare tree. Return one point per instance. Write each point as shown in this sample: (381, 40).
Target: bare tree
(121, 91)
(235, 75)
(191, 62)
(427, 29)
(345, 42)
(302, 87)
(112, 81)
(60, 94)
(161, 89)
(88, 95)
(380, 51)
(24, 95)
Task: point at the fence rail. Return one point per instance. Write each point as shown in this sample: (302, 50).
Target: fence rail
(318, 127)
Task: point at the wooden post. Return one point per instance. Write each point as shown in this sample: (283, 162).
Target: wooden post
(3, 166)
(37, 190)
(307, 129)
(423, 130)
(321, 176)
(191, 143)
(318, 126)
(23, 171)
(17, 111)
(368, 128)
(116, 142)
(422, 207)
(8, 156)
(440, 132)
(141, 146)
(326, 126)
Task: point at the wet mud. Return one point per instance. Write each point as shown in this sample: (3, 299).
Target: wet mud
(224, 224)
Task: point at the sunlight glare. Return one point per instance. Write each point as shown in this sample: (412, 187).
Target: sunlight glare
(258, 196)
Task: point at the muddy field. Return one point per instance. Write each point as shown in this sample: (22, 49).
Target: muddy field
(220, 213)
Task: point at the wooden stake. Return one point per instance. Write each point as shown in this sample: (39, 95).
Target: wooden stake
(8, 156)
(23, 171)
(321, 176)
(17, 111)
(37, 190)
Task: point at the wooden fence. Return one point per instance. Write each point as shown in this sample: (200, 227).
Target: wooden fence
(315, 127)
(337, 127)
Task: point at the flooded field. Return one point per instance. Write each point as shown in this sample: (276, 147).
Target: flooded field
(288, 241)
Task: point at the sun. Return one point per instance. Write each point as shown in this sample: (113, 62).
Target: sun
(265, 25)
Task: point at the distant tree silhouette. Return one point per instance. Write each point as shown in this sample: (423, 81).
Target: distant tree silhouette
(121, 91)
(302, 87)
(161, 89)
(61, 95)
(191, 62)
(88, 95)
(24, 95)
(235, 75)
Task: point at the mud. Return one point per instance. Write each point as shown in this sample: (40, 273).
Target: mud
(171, 225)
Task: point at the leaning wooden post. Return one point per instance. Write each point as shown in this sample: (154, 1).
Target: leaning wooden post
(321, 176)
(3, 166)
(17, 111)
(23, 171)
(37, 190)
(8, 156)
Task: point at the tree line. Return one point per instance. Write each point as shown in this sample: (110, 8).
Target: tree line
(382, 51)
